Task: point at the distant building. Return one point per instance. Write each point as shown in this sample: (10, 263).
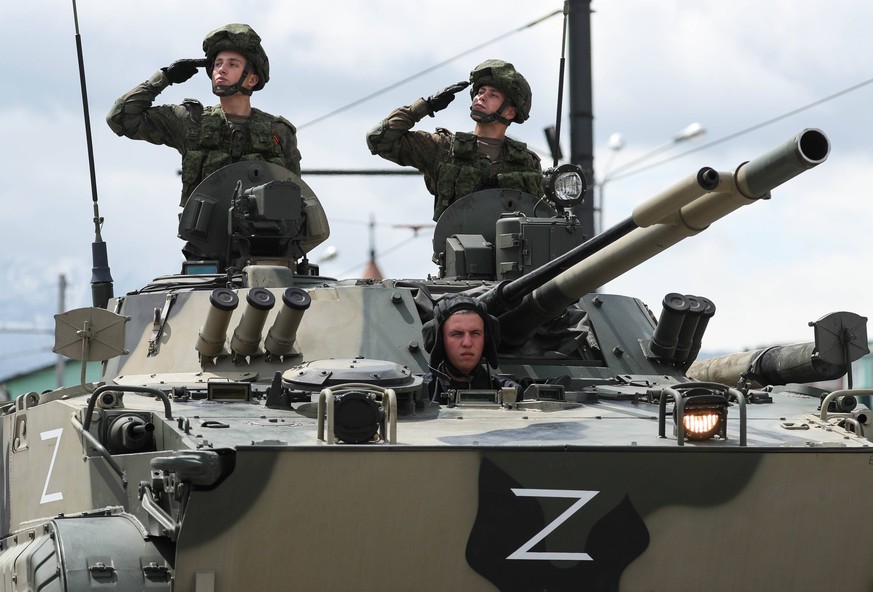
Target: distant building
(44, 379)
(372, 271)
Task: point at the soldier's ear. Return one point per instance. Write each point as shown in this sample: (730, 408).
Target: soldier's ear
(509, 112)
(252, 81)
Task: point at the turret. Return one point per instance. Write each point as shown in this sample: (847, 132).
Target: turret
(251, 213)
(687, 208)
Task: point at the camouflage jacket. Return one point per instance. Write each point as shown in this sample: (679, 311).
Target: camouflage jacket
(451, 163)
(203, 136)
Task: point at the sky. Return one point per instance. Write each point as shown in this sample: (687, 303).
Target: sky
(752, 74)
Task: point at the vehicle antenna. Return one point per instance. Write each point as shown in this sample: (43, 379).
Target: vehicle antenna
(101, 278)
(556, 153)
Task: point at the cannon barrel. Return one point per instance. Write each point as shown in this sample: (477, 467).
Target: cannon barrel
(508, 294)
(777, 365)
(659, 223)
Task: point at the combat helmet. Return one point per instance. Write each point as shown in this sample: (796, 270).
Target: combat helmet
(243, 39)
(503, 75)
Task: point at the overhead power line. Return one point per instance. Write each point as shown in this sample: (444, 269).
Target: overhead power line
(42, 330)
(427, 70)
(381, 254)
(747, 130)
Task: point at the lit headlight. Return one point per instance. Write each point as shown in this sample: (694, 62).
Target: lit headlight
(700, 411)
(702, 425)
(703, 416)
(566, 185)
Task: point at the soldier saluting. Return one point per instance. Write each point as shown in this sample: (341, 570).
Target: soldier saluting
(209, 138)
(457, 164)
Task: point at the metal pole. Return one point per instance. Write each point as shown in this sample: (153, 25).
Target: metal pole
(581, 106)
(59, 360)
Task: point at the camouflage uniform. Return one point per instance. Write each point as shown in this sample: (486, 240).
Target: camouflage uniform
(452, 163)
(204, 136)
(455, 165)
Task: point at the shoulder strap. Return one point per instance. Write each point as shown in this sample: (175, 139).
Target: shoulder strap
(195, 108)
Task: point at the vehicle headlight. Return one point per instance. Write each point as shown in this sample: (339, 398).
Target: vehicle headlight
(565, 185)
(703, 416)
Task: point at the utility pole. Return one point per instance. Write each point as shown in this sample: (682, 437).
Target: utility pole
(60, 363)
(582, 106)
(372, 271)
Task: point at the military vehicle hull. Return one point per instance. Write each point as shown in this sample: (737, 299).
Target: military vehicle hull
(261, 427)
(543, 497)
(530, 518)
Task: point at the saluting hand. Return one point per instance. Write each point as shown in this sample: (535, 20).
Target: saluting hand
(441, 100)
(182, 70)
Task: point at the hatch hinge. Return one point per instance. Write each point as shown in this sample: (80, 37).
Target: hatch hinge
(158, 324)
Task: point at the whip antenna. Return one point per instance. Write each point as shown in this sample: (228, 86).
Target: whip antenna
(556, 142)
(101, 279)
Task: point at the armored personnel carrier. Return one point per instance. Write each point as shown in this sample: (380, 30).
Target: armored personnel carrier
(260, 427)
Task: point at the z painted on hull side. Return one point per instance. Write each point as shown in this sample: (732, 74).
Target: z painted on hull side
(525, 519)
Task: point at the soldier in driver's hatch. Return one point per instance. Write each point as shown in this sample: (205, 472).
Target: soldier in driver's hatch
(457, 164)
(460, 337)
(211, 137)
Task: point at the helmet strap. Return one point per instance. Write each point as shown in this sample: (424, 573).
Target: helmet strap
(482, 118)
(227, 90)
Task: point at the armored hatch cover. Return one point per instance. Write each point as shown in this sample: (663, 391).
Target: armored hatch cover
(476, 213)
(325, 373)
(203, 219)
